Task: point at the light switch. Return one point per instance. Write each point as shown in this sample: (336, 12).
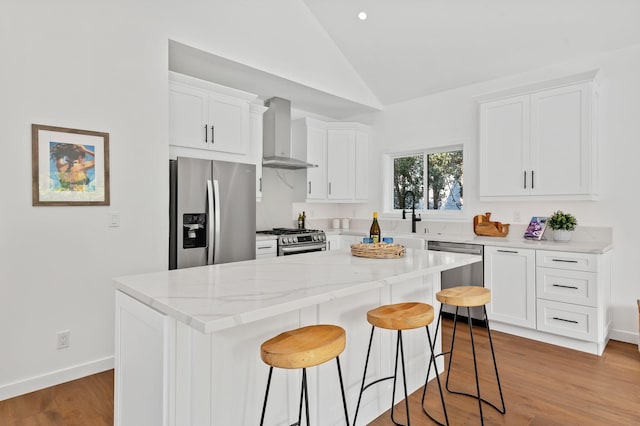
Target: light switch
(114, 219)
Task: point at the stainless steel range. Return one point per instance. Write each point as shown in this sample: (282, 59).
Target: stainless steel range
(296, 241)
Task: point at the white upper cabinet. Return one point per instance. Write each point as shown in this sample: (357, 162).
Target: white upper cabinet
(341, 152)
(310, 138)
(362, 166)
(255, 138)
(207, 116)
(540, 144)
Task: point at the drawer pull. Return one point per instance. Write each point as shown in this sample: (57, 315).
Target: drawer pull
(508, 251)
(565, 286)
(264, 248)
(565, 260)
(565, 320)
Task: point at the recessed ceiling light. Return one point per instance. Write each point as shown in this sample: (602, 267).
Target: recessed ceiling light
(362, 16)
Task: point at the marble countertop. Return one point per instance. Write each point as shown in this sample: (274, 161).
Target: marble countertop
(513, 241)
(212, 298)
(264, 237)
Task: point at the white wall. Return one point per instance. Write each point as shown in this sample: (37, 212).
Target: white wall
(453, 116)
(103, 66)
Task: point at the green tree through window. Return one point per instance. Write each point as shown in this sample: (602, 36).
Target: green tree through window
(443, 175)
(408, 175)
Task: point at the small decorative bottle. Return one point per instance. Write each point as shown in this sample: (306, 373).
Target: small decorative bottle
(374, 232)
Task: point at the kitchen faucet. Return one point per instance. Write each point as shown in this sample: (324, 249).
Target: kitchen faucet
(414, 219)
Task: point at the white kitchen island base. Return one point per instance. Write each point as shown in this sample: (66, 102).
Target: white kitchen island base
(180, 360)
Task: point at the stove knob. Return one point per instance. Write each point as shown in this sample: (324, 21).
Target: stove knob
(321, 237)
(288, 240)
(294, 240)
(314, 237)
(284, 240)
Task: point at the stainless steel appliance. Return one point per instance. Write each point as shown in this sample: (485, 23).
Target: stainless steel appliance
(296, 241)
(464, 275)
(212, 212)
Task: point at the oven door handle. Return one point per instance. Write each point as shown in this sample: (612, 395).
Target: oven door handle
(292, 250)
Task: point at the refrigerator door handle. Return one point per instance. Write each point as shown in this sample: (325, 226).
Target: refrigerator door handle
(211, 224)
(216, 212)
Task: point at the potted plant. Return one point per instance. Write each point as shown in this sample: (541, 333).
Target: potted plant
(562, 224)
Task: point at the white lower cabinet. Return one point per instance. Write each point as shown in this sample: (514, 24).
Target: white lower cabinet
(553, 296)
(333, 242)
(573, 291)
(510, 275)
(266, 248)
(142, 360)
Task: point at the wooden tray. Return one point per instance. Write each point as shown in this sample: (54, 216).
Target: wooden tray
(378, 250)
(483, 226)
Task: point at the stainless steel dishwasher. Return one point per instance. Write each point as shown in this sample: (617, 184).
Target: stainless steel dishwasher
(464, 275)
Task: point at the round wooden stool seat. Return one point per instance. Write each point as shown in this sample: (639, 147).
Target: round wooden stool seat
(304, 347)
(401, 316)
(466, 296)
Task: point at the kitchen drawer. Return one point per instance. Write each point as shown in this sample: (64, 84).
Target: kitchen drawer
(567, 320)
(567, 286)
(567, 260)
(266, 248)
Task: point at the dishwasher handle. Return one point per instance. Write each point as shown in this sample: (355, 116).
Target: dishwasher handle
(455, 247)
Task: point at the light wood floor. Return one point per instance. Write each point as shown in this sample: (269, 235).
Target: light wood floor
(542, 385)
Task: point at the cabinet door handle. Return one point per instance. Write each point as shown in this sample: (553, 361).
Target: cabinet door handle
(205, 134)
(565, 320)
(329, 188)
(309, 187)
(564, 260)
(565, 286)
(525, 179)
(508, 251)
(260, 184)
(212, 134)
(532, 179)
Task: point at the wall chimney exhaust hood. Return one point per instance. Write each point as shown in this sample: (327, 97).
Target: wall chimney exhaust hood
(277, 137)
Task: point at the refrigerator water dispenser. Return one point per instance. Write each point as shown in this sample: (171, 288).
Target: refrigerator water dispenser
(194, 230)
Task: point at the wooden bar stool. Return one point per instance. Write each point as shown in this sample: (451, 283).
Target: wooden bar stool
(301, 348)
(400, 316)
(468, 297)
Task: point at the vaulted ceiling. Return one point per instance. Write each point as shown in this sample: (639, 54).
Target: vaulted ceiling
(411, 48)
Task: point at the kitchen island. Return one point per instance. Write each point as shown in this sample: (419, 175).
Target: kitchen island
(187, 341)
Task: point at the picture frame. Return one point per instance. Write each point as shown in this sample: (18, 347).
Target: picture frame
(70, 167)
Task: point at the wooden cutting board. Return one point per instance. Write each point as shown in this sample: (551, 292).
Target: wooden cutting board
(483, 226)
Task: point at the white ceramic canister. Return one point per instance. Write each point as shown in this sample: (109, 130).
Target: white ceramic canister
(336, 223)
(345, 223)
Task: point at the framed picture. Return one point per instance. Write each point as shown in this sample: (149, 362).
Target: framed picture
(70, 167)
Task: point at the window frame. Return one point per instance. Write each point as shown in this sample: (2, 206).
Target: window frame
(388, 188)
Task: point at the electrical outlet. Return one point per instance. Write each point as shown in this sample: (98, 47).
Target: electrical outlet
(516, 217)
(63, 339)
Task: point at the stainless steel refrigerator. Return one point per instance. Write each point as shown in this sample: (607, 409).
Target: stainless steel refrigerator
(212, 212)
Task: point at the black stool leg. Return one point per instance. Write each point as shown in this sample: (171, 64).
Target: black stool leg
(475, 364)
(266, 395)
(453, 340)
(344, 398)
(495, 364)
(364, 375)
(432, 360)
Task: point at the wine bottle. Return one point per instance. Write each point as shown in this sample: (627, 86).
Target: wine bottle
(374, 232)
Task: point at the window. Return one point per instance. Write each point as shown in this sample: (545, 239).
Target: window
(440, 169)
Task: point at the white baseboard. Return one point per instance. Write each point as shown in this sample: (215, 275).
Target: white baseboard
(624, 336)
(53, 378)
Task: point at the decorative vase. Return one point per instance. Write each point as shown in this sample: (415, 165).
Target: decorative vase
(561, 235)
